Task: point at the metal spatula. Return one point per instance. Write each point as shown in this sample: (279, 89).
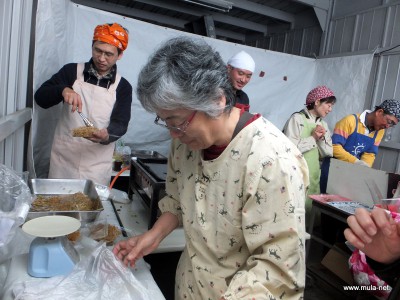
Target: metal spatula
(86, 120)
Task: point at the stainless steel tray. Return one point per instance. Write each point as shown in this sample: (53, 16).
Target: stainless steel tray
(57, 187)
(146, 154)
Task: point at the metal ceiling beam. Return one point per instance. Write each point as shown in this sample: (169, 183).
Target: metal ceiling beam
(135, 13)
(174, 7)
(230, 34)
(131, 12)
(263, 10)
(219, 5)
(240, 23)
(322, 16)
(218, 17)
(322, 4)
(321, 8)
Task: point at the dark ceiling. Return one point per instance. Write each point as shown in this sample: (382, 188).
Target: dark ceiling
(246, 20)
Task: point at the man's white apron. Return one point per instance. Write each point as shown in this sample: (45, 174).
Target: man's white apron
(78, 158)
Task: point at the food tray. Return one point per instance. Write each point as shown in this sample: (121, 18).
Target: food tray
(146, 154)
(59, 187)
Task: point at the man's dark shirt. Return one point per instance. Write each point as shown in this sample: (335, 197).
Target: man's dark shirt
(242, 100)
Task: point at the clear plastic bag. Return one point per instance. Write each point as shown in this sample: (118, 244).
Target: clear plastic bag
(105, 193)
(15, 200)
(100, 276)
(122, 153)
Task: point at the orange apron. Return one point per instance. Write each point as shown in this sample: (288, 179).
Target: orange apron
(78, 158)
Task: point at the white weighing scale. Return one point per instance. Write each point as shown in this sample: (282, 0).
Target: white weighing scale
(51, 253)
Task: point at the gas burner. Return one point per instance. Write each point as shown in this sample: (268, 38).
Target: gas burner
(147, 178)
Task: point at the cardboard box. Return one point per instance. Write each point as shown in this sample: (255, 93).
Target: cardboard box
(337, 263)
(349, 180)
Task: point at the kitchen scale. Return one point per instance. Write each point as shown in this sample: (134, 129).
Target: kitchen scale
(51, 253)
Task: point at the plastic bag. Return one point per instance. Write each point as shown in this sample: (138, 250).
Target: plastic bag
(15, 200)
(100, 276)
(122, 153)
(105, 193)
(364, 276)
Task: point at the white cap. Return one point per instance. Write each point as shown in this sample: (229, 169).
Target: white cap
(242, 60)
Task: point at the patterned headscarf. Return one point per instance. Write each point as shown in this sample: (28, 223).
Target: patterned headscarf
(113, 34)
(391, 106)
(320, 92)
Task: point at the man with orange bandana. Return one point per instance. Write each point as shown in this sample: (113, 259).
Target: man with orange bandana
(96, 89)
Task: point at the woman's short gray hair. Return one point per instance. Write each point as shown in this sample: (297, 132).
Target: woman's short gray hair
(185, 73)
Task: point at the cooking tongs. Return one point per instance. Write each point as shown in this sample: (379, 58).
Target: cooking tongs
(86, 120)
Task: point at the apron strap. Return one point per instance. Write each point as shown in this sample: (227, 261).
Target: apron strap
(79, 71)
(355, 116)
(113, 87)
(244, 118)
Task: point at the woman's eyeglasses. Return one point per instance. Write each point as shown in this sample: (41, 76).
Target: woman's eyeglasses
(181, 128)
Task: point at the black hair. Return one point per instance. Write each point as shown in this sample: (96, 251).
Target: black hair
(331, 99)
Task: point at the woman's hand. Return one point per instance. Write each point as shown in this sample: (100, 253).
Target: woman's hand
(375, 233)
(129, 251)
(133, 249)
(319, 132)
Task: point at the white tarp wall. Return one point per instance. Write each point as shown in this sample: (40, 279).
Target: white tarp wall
(64, 33)
(348, 77)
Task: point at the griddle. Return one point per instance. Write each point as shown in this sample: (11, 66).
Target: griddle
(158, 170)
(147, 179)
(156, 167)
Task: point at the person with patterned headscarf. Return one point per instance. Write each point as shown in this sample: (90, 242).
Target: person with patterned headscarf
(96, 89)
(356, 137)
(311, 135)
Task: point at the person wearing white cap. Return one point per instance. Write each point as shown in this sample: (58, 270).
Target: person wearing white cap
(240, 69)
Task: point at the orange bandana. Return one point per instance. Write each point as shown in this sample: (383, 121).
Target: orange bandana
(114, 35)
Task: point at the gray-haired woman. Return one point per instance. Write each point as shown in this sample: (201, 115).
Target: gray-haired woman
(239, 194)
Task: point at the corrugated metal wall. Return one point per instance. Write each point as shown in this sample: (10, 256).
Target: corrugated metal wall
(15, 31)
(304, 42)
